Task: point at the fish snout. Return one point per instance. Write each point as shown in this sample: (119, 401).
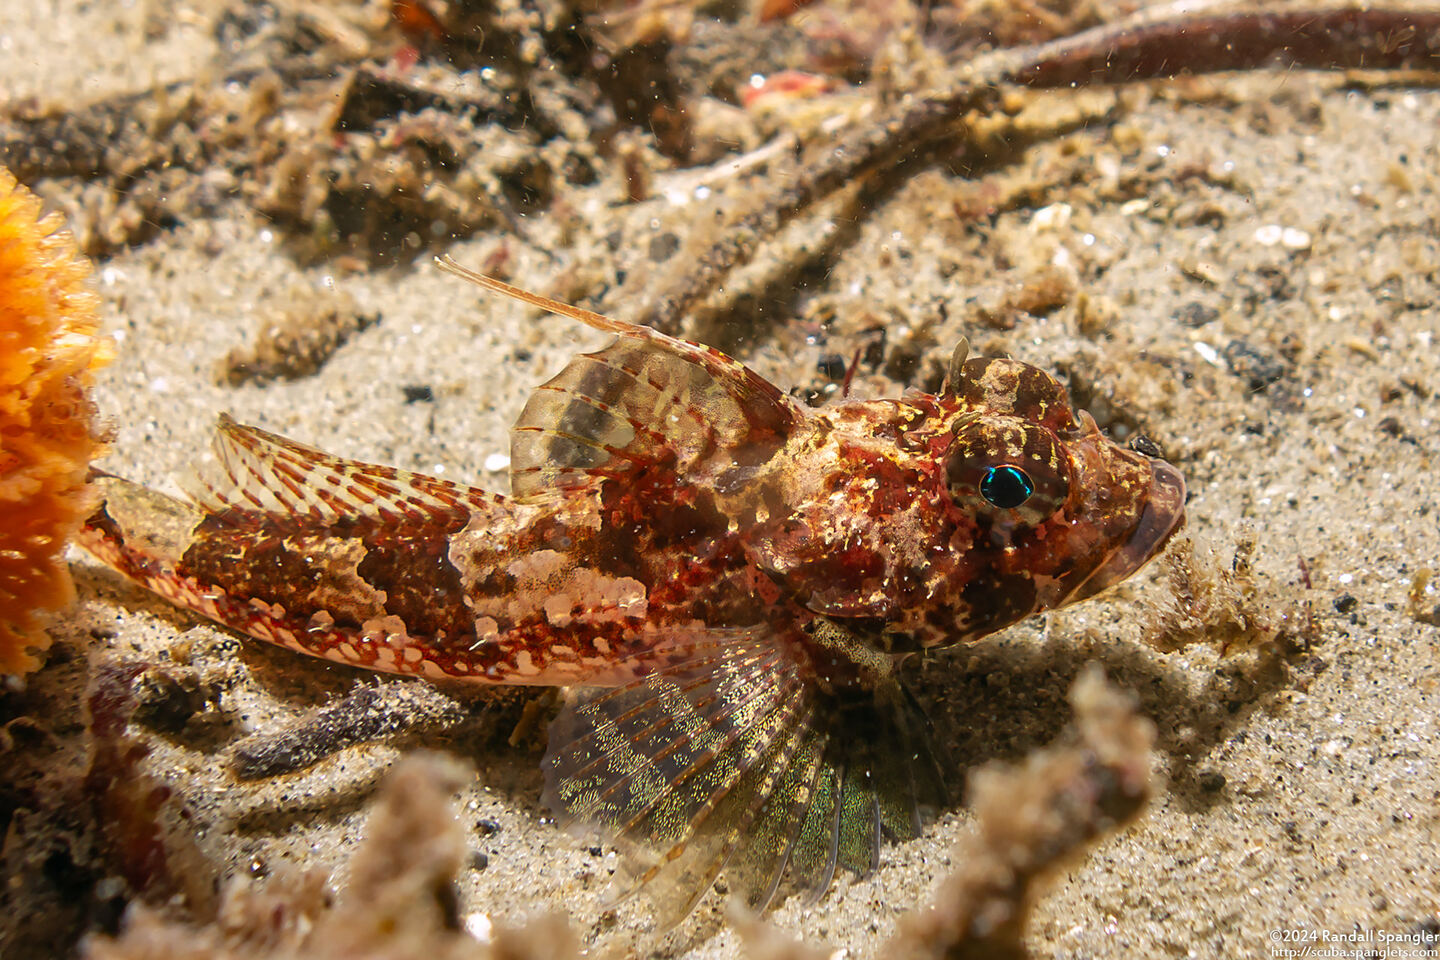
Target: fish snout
(1162, 514)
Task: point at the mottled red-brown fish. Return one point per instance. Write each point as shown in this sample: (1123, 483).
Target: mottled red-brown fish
(735, 578)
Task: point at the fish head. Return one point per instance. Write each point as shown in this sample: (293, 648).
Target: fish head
(1053, 510)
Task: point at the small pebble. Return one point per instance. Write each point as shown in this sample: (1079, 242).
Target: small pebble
(1293, 238)
(1211, 781)
(1196, 314)
(1054, 217)
(1269, 235)
(1209, 353)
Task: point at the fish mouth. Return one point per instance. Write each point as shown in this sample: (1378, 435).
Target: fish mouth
(1162, 515)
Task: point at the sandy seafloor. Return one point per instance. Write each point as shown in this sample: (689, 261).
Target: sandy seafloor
(1297, 795)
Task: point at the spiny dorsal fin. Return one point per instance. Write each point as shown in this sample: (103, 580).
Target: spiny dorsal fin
(256, 472)
(646, 400)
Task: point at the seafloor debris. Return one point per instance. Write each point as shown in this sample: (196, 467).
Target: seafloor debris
(1031, 819)
(144, 831)
(297, 341)
(1156, 42)
(399, 902)
(1218, 600)
(47, 434)
(368, 713)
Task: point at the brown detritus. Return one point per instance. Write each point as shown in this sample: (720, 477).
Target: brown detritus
(176, 702)
(1046, 291)
(295, 341)
(1039, 294)
(398, 169)
(367, 714)
(1030, 821)
(764, 941)
(645, 93)
(399, 901)
(779, 9)
(352, 159)
(402, 878)
(625, 24)
(1215, 599)
(144, 832)
(535, 713)
(1421, 602)
(48, 436)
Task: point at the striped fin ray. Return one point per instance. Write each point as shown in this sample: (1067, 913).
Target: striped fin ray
(635, 404)
(864, 772)
(647, 399)
(257, 472)
(733, 761)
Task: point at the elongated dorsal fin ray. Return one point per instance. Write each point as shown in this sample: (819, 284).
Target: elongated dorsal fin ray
(732, 759)
(261, 474)
(646, 400)
(956, 373)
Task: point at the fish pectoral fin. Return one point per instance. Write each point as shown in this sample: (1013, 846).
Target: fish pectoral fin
(255, 472)
(734, 760)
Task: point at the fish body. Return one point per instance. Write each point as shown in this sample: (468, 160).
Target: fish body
(732, 576)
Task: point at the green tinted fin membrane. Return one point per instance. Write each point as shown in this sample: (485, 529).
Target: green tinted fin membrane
(876, 776)
(675, 764)
(645, 401)
(730, 761)
(613, 754)
(740, 783)
(757, 868)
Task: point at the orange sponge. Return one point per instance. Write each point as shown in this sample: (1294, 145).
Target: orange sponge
(48, 347)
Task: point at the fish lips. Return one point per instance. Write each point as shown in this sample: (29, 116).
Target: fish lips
(1162, 515)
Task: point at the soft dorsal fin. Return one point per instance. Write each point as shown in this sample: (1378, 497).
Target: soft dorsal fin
(255, 472)
(647, 399)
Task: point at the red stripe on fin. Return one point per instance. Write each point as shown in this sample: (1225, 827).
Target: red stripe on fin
(256, 472)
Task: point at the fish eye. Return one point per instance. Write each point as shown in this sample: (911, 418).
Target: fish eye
(1006, 487)
(1012, 473)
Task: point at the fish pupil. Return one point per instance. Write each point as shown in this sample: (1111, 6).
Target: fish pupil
(1006, 487)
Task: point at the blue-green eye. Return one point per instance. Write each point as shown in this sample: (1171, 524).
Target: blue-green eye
(1006, 487)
